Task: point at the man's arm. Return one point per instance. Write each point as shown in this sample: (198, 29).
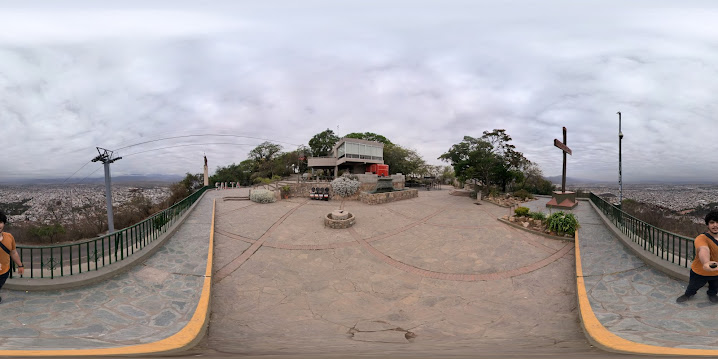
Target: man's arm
(704, 254)
(16, 258)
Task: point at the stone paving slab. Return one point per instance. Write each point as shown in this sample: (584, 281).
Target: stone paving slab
(146, 304)
(375, 289)
(635, 302)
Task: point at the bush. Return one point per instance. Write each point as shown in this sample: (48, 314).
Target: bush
(521, 211)
(262, 181)
(523, 194)
(560, 222)
(49, 232)
(262, 196)
(345, 186)
(537, 215)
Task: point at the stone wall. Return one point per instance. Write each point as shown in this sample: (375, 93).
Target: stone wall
(379, 198)
(339, 223)
(368, 184)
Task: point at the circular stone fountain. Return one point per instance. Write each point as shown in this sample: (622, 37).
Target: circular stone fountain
(339, 219)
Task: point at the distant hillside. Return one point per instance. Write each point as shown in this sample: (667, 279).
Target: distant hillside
(573, 181)
(582, 181)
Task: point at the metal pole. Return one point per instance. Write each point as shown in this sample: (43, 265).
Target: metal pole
(620, 175)
(105, 156)
(563, 177)
(108, 196)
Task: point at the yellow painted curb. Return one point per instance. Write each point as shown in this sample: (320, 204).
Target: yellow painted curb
(604, 339)
(181, 340)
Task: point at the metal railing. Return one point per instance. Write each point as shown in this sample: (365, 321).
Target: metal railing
(668, 246)
(93, 254)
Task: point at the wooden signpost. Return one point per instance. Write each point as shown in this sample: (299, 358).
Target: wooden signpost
(563, 199)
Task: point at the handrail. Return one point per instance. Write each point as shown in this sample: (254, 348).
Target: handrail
(92, 254)
(668, 246)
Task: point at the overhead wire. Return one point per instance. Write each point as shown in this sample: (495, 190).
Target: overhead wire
(190, 144)
(83, 166)
(201, 135)
(176, 137)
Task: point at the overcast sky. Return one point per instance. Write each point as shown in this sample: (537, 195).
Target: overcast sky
(79, 74)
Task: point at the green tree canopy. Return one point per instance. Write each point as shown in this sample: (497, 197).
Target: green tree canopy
(241, 173)
(264, 159)
(491, 159)
(369, 136)
(322, 143)
(402, 160)
(265, 152)
(534, 181)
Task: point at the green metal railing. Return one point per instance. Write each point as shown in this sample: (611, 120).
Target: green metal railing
(69, 259)
(669, 246)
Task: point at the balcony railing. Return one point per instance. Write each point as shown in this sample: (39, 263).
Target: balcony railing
(93, 254)
(668, 246)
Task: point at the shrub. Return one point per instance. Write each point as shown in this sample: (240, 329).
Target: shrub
(493, 192)
(262, 180)
(523, 194)
(537, 215)
(345, 186)
(521, 211)
(561, 222)
(49, 232)
(262, 196)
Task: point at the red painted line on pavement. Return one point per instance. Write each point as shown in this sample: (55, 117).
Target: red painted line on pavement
(237, 262)
(466, 277)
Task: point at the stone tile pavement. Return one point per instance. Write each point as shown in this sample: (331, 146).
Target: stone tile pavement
(635, 302)
(144, 305)
(431, 275)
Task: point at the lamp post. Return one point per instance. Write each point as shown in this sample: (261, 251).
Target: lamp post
(620, 179)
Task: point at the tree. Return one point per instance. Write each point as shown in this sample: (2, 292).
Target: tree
(263, 157)
(472, 159)
(241, 173)
(369, 136)
(323, 143)
(447, 175)
(193, 181)
(492, 159)
(402, 160)
(286, 163)
(49, 232)
(265, 152)
(509, 162)
(534, 181)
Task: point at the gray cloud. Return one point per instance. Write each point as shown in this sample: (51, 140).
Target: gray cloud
(421, 73)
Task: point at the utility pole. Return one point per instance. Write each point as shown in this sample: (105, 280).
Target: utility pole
(105, 156)
(620, 179)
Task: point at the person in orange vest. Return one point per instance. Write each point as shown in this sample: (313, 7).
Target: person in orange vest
(704, 268)
(7, 253)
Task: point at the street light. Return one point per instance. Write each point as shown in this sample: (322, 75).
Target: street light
(620, 179)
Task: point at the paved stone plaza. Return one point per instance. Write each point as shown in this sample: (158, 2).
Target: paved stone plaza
(434, 274)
